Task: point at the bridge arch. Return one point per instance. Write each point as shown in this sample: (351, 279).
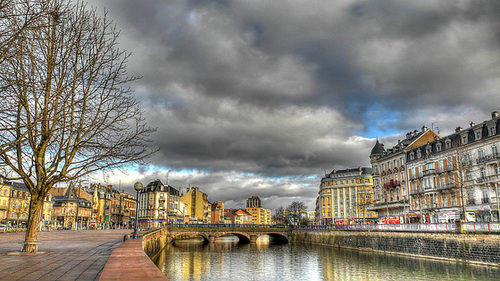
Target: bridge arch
(277, 238)
(206, 238)
(244, 238)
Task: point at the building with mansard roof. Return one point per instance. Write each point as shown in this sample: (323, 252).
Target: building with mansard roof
(345, 196)
(71, 209)
(391, 191)
(457, 176)
(159, 205)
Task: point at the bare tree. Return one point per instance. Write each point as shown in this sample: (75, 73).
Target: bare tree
(66, 110)
(294, 211)
(279, 216)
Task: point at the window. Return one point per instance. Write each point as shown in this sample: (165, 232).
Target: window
(447, 143)
(478, 134)
(438, 146)
(464, 139)
(491, 131)
(494, 150)
(468, 175)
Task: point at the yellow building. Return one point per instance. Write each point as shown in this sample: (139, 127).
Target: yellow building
(260, 215)
(198, 207)
(345, 195)
(4, 201)
(19, 205)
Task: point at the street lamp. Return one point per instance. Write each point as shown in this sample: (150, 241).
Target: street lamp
(138, 187)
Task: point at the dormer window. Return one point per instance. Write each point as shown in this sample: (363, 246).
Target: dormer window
(447, 143)
(464, 139)
(478, 134)
(491, 125)
(438, 146)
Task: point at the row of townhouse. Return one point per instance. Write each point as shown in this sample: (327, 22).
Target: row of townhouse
(429, 178)
(69, 207)
(14, 205)
(92, 207)
(161, 205)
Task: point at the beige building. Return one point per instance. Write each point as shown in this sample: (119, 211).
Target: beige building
(5, 190)
(198, 208)
(392, 201)
(457, 174)
(19, 205)
(159, 205)
(345, 196)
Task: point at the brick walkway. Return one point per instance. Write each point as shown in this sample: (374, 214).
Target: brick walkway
(69, 255)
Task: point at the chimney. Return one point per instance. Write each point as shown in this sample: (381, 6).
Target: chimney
(472, 124)
(494, 114)
(110, 187)
(424, 129)
(187, 189)
(458, 129)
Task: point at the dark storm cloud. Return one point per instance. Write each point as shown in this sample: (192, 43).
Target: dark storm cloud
(278, 91)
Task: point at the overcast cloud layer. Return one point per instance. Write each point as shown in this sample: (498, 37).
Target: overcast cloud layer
(260, 97)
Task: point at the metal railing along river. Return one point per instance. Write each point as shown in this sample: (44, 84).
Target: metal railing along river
(451, 227)
(466, 227)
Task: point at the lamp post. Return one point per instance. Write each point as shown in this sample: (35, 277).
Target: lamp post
(138, 187)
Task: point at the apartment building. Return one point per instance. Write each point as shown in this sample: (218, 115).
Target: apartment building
(198, 207)
(259, 215)
(457, 176)
(158, 205)
(391, 187)
(345, 196)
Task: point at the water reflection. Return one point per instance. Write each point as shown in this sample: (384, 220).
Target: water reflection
(229, 260)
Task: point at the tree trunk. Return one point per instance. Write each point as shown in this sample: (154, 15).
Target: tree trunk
(31, 237)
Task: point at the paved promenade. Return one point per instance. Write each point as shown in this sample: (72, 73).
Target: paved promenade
(69, 255)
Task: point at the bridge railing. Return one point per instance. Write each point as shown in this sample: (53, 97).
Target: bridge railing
(209, 225)
(466, 227)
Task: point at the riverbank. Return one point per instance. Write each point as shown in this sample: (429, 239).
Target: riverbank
(479, 249)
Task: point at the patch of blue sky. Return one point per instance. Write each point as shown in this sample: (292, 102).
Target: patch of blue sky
(377, 120)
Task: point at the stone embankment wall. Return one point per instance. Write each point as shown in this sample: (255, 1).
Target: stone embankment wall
(153, 243)
(469, 248)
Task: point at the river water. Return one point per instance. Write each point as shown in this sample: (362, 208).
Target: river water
(228, 260)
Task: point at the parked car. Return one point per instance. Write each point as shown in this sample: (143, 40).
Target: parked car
(3, 228)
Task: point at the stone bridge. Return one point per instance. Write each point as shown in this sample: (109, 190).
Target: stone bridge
(246, 234)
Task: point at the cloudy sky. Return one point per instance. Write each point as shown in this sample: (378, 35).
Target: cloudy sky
(260, 97)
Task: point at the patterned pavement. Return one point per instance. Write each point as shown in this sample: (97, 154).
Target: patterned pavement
(68, 254)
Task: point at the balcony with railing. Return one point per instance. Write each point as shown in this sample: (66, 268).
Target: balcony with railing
(443, 169)
(446, 186)
(416, 191)
(392, 183)
(429, 172)
(488, 158)
(482, 180)
(431, 206)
